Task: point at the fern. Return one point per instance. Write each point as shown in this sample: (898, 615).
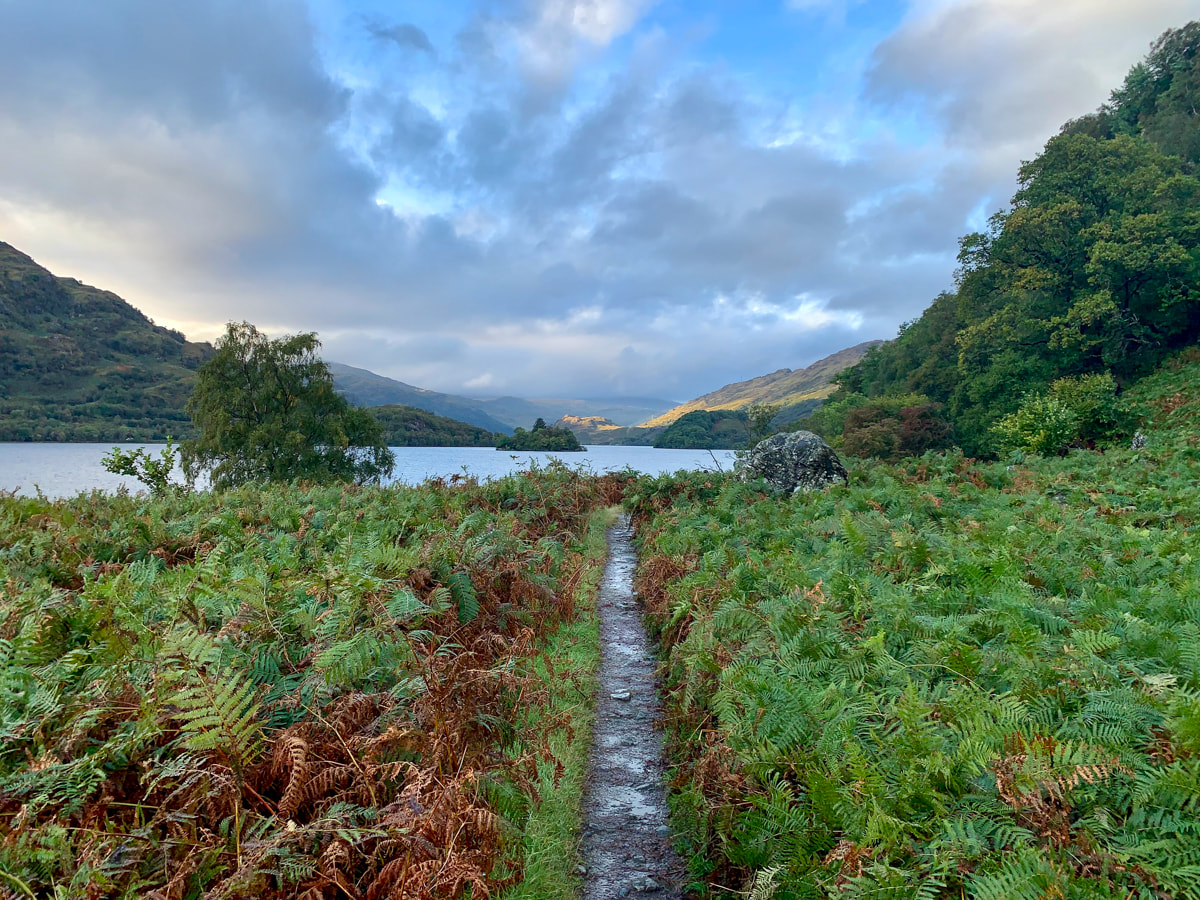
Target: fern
(216, 707)
(463, 591)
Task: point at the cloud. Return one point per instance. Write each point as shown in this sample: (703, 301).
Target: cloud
(1007, 73)
(406, 36)
(566, 198)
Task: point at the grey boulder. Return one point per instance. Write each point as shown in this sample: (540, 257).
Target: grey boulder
(793, 461)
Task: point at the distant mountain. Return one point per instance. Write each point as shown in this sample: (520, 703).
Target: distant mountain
(364, 388)
(80, 364)
(599, 430)
(620, 410)
(785, 387)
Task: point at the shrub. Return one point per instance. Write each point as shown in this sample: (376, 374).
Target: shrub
(1094, 401)
(892, 428)
(1043, 424)
(1076, 411)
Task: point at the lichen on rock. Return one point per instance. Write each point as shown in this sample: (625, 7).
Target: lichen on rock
(793, 461)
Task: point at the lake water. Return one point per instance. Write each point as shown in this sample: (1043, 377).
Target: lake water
(62, 470)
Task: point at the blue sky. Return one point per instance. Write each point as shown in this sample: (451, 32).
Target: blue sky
(539, 197)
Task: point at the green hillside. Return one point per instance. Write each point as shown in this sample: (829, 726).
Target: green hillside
(785, 387)
(704, 430)
(1094, 270)
(407, 426)
(364, 388)
(78, 363)
(717, 420)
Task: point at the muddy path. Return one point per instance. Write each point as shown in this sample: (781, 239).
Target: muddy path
(626, 847)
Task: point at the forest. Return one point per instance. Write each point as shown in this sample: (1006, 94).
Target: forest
(1094, 270)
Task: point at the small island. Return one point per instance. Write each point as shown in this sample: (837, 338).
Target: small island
(542, 437)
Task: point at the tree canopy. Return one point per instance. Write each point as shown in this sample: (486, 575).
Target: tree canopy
(1093, 269)
(543, 438)
(265, 410)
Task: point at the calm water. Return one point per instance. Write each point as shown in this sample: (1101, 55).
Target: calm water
(61, 470)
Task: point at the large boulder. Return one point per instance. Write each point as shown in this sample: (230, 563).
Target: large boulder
(793, 461)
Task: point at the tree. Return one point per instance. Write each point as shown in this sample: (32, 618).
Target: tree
(265, 410)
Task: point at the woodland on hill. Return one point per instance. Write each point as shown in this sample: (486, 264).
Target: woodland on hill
(407, 426)
(77, 363)
(1094, 270)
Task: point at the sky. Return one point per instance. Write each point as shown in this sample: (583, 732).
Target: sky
(539, 198)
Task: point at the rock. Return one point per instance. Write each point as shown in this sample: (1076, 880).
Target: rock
(664, 830)
(622, 696)
(581, 870)
(1139, 441)
(792, 462)
(646, 885)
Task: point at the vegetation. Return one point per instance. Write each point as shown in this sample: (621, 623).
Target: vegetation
(1092, 271)
(704, 430)
(407, 426)
(284, 692)
(945, 679)
(265, 410)
(142, 465)
(729, 430)
(543, 438)
(81, 364)
(786, 387)
(364, 388)
(1074, 412)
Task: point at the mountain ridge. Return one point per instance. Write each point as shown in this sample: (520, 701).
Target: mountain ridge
(783, 386)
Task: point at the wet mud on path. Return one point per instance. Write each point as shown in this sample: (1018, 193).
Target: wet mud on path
(626, 848)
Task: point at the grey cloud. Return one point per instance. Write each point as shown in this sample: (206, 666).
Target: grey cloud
(1010, 72)
(639, 238)
(406, 36)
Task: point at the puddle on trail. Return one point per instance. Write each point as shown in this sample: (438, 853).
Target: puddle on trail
(626, 848)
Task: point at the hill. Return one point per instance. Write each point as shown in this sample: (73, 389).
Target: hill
(622, 411)
(798, 391)
(1093, 270)
(786, 387)
(79, 363)
(364, 388)
(501, 414)
(598, 430)
(407, 426)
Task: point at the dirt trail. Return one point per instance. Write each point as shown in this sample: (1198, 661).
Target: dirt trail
(626, 849)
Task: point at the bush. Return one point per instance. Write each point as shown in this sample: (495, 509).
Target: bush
(154, 473)
(1076, 412)
(1043, 424)
(892, 428)
(1094, 401)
